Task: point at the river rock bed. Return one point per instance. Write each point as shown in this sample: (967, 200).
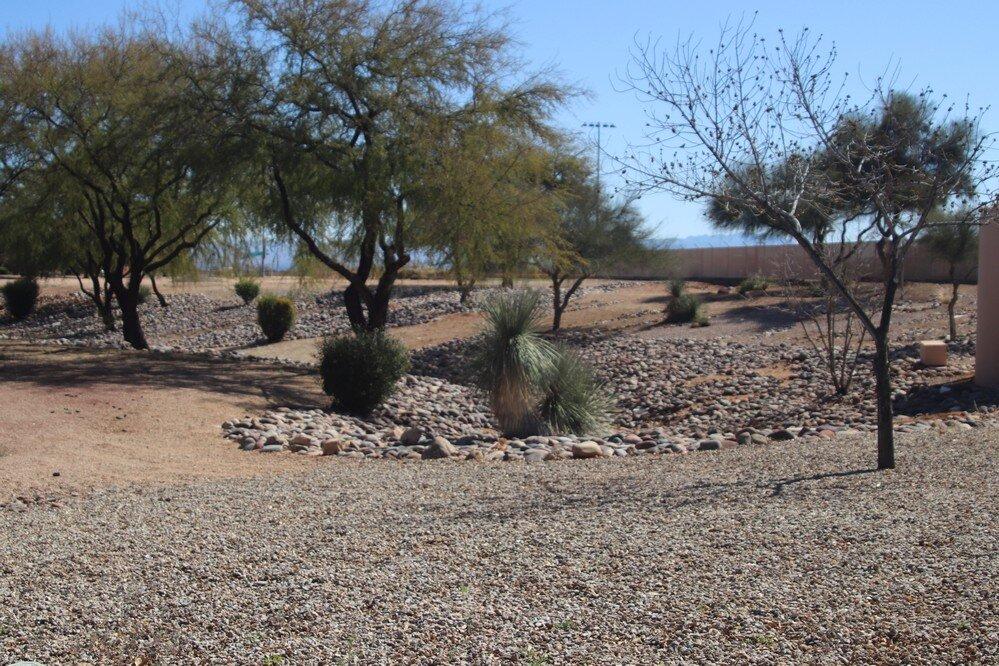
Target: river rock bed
(672, 396)
(199, 323)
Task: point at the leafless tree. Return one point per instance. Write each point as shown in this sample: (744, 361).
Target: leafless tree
(767, 128)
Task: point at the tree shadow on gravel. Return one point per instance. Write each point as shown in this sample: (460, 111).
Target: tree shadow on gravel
(83, 368)
(777, 316)
(623, 491)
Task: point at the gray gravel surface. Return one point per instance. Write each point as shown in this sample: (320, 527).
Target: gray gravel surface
(753, 555)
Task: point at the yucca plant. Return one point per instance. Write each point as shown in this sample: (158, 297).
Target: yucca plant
(572, 399)
(512, 360)
(677, 287)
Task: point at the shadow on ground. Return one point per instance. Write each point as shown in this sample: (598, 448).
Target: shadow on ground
(81, 368)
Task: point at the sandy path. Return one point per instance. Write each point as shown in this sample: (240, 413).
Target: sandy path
(107, 417)
(628, 307)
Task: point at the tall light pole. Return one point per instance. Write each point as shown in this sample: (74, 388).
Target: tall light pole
(599, 126)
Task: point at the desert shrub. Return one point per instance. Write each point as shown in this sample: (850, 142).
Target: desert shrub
(275, 315)
(682, 309)
(512, 360)
(677, 287)
(144, 294)
(360, 370)
(700, 319)
(247, 289)
(20, 297)
(572, 399)
(754, 283)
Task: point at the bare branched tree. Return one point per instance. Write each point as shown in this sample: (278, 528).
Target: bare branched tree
(765, 127)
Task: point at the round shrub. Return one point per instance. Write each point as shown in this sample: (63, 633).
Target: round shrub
(360, 370)
(20, 297)
(755, 283)
(275, 315)
(247, 289)
(682, 309)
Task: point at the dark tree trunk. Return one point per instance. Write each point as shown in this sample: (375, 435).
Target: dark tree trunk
(882, 395)
(128, 301)
(106, 310)
(101, 296)
(465, 290)
(557, 303)
(367, 309)
(560, 301)
(159, 296)
(951, 312)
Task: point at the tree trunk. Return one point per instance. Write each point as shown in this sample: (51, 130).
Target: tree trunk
(101, 296)
(106, 311)
(882, 395)
(159, 296)
(465, 290)
(951, 310)
(557, 303)
(367, 309)
(128, 301)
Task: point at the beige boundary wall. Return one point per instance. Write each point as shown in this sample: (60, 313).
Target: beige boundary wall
(779, 261)
(987, 352)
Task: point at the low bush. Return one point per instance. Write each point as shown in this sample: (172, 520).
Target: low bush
(755, 283)
(144, 294)
(20, 297)
(682, 309)
(700, 319)
(247, 289)
(275, 315)
(360, 370)
(572, 399)
(677, 288)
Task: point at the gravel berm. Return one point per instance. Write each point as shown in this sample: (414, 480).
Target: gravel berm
(797, 554)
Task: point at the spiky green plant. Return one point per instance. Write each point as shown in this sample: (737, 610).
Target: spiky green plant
(512, 360)
(573, 399)
(677, 287)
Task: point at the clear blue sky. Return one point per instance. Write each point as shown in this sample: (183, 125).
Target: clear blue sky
(949, 45)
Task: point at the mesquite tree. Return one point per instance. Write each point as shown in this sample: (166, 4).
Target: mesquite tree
(767, 127)
(348, 98)
(593, 232)
(113, 116)
(955, 242)
(489, 183)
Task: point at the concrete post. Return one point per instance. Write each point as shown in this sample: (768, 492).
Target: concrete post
(987, 354)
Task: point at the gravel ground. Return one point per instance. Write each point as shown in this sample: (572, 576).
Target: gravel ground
(196, 322)
(741, 556)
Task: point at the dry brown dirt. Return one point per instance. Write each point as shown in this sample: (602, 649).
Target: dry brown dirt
(99, 418)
